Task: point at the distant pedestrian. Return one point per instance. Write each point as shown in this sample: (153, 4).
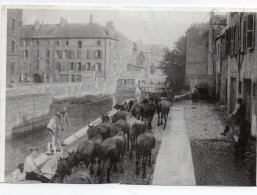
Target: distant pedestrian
(66, 125)
(31, 169)
(194, 95)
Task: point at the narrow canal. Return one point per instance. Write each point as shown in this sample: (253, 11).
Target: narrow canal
(81, 113)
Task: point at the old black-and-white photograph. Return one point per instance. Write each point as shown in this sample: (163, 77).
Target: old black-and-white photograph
(133, 96)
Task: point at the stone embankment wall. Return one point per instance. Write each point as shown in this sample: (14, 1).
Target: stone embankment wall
(25, 110)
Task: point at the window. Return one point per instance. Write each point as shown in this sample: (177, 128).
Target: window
(80, 44)
(232, 41)
(48, 43)
(47, 65)
(67, 42)
(244, 36)
(78, 79)
(13, 47)
(73, 78)
(13, 24)
(57, 43)
(98, 43)
(67, 54)
(37, 53)
(250, 31)
(79, 66)
(48, 53)
(227, 37)
(37, 43)
(98, 54)
(37, 65)
(27, 42)
(58, 54)
(58, 66)
(88, 54)
(72, 66)
(78, 54)
(98, 67)
(88, 66)
(25, 54)
(23, 43)
(236, 32)
(12, 68)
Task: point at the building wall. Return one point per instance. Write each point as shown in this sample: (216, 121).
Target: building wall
(20, 110)
(196, 56)
(245, 86)
(12, 63)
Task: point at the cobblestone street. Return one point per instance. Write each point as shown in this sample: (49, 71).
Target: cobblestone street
(213, 154)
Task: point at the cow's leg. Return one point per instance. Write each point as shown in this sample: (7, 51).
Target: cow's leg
(92, 166)
(108, 172)
(144, 166)
(98, 166)
(165, 120)
(161, 118)
(128, 141)
(158, 114)
(149, 159)
(121, 166)
(236, 150)
(102, 172)
(115, 168)
(137, 163)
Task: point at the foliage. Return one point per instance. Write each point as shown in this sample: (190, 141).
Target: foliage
(174, 63)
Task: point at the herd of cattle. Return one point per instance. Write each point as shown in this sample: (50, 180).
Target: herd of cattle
(106, 143)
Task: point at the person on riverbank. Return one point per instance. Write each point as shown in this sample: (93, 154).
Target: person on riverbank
(55, 129)
(30, 168)
(66, 125)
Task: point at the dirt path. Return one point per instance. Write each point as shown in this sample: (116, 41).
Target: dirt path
(213, 154)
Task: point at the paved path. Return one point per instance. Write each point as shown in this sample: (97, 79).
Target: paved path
(174, 165)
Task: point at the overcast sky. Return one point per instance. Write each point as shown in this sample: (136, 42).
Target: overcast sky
(152, 27)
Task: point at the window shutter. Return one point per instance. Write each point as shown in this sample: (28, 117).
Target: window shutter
(232, 41)
(227, 36)
(236, 38)
(94, 54)
(93, 67)
(250, 31)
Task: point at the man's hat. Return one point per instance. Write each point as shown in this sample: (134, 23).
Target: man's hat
(31, 149)
(58, 114)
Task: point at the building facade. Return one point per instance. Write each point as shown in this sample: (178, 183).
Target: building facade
(200, 52)
(71, 52)
(236, 65)
(14, 22)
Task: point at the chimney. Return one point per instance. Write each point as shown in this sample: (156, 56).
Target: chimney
(63, 22)
(110, 25)
(37, 25)
(91, 18)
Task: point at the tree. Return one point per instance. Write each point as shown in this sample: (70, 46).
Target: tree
(174, 63)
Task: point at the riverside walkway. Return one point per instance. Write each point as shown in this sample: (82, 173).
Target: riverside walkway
(174, 164)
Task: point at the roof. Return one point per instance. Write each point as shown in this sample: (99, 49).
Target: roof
(69, 30)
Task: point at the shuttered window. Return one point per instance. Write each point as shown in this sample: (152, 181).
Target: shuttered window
(236, 30)
(232, 41)
(227, 36)
(250, 31)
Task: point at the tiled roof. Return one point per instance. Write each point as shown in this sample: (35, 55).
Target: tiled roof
(89, 30)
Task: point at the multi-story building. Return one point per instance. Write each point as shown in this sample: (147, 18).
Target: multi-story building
(72, 52)
(14, 22)
(241, 53)
(200, 54)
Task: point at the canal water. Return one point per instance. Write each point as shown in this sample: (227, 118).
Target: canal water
(16, 149)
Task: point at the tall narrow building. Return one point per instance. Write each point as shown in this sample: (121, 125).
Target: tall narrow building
(14, 22)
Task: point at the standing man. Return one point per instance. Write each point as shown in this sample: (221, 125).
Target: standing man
(31, 169)
(194, 94)
(54, 127)
(238, 114)
(65, 123)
